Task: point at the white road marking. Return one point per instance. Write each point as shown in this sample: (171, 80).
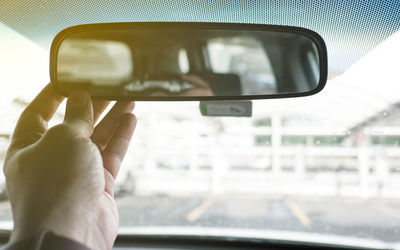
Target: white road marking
(198, 211)
(298, 212)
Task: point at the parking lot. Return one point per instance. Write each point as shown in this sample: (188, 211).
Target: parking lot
(376, 218)
(365, 218)
(370, 218)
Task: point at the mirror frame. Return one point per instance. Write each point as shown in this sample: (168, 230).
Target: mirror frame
(313, 36)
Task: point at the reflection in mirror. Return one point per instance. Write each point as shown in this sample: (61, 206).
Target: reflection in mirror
(98, 62)
(173, 63)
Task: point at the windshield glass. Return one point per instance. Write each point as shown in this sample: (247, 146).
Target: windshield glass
(325, 165)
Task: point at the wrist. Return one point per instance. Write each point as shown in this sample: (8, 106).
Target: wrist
(73, 228)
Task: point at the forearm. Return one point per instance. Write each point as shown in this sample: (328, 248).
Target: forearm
(45, 240)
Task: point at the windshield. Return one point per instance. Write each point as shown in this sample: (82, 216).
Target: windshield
(326, 165)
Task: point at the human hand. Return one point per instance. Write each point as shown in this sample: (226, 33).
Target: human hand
(62, 178)
(202, 87)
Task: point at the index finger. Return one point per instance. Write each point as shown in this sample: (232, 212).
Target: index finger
(32, 123)
(98, 107)
(115, 151)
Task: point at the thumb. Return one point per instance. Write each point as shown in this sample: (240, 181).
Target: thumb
(79, 113)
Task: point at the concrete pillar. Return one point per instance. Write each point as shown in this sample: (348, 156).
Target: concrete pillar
(219, 169)
(276, 142)
(299, 166)
(194, 161)
(310, 141)
(381, 169)
(363, 162)
(363, 170)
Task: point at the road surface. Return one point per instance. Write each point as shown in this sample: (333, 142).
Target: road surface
(376, 218)
(365, 218)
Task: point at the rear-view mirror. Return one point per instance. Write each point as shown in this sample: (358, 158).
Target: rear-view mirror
(188, 61)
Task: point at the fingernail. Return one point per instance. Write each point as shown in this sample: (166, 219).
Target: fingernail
(78, 99)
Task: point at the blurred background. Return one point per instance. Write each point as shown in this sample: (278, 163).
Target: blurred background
(326, 164)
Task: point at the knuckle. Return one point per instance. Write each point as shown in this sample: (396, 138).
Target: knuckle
(100, 141)
(59, 130)
(82, 141)
(60, 136)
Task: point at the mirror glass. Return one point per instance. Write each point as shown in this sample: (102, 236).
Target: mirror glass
(187, 63)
